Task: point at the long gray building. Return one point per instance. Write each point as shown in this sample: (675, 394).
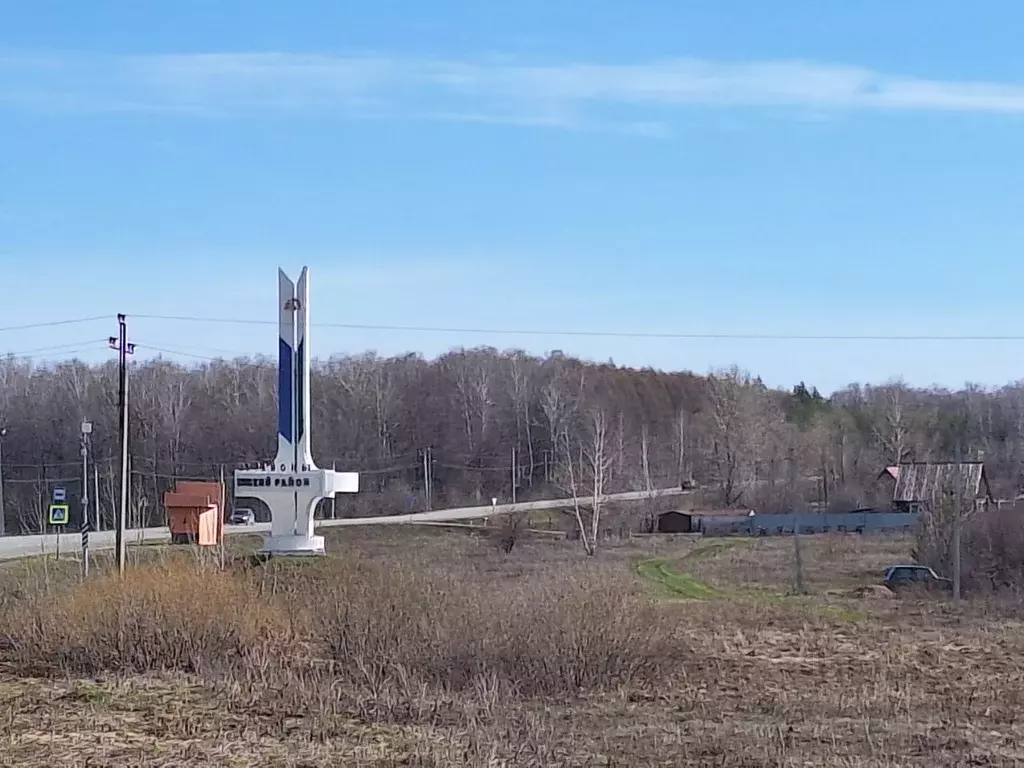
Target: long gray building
(777, 525)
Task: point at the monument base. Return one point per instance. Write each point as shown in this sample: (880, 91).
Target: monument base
(293, 546)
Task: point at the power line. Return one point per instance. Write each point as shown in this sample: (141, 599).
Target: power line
(139, 461)
(506, 332)
(69, 348)
(52, 323)
(194, 319)
(604, 334)
(145, 465)
(170, 351)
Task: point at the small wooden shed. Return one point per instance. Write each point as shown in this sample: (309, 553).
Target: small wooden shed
(675, 522)
(195, 513)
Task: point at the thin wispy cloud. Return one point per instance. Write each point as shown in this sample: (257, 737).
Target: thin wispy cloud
(634, 98)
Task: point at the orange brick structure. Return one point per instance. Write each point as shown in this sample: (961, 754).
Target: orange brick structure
(195, 513)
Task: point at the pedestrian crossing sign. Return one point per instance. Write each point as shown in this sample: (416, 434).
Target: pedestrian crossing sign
(59, 514)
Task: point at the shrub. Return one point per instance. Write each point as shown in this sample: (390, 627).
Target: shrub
(384, 639)
(174, 617)
(991, 547)
(548, 636)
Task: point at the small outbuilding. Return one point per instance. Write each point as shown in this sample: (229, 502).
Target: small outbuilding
(195, 513)
(675, 522)
(917, 484)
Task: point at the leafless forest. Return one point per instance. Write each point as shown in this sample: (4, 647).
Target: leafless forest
(487, 417)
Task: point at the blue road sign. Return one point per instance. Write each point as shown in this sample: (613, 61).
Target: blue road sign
(60, 495)
(60, 514)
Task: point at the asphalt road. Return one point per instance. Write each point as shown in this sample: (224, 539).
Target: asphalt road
(25, 546)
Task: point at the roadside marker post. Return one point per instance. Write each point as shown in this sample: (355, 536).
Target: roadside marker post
(85, 548)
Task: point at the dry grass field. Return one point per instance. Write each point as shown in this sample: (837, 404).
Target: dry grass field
(433, 648)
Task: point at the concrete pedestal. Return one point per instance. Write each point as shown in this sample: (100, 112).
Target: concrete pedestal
(293, 546)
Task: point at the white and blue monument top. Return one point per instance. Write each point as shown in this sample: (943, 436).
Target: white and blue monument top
(293, 485)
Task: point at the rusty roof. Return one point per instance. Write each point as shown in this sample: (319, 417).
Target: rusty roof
(922, 481)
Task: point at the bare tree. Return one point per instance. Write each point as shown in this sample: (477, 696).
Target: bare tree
(645, 472)
(738, 430)
(570, 472)
(941, 525)
(893, 429)
(521, 400)
(587, 462)
(376, 414)
(598, 465)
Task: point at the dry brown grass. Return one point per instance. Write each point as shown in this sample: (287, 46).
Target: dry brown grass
(831, 561)
(171, 617)
(434, 649)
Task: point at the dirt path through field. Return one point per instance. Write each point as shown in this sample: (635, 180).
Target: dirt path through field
(683, 584)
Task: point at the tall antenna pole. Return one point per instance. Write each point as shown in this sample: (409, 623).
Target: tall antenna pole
(96, 495)
(124, 348)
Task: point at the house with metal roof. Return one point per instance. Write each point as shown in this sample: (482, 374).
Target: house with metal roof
(918, 484)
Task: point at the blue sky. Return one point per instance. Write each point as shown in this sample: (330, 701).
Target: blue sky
(712, 166)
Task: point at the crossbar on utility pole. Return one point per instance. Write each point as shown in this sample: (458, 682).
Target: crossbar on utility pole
(124, 348)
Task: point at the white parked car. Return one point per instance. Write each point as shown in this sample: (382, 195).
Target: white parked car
(242, 516)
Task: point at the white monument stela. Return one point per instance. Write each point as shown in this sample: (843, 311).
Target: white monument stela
(293, 485)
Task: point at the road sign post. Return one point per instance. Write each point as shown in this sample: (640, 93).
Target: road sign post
(60, 515)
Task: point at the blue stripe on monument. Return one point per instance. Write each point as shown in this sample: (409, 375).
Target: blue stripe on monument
(285, 378)
(300, 427)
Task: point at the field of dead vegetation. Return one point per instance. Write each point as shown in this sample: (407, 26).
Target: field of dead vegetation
(435, 648)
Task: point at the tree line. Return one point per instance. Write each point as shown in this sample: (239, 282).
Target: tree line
(482, 422)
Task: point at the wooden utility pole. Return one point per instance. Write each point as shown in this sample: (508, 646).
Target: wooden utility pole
(222, 511)
(86, 431)
(3, 509)
(956, 552)
(124, 348)
(798, 560)
(958, 515)
(427, 490)
(513, 474)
